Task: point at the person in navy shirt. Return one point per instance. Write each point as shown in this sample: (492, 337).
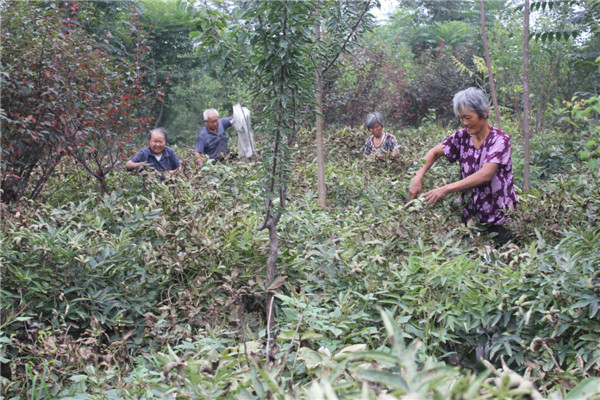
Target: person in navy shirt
(211, 141)
(157, 155)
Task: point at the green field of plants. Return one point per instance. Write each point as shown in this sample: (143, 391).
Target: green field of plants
(304, 271)
(157, 290)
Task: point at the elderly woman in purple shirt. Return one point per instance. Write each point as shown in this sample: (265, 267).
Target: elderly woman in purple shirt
(485, 166)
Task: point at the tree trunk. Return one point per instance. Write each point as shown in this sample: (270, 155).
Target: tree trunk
(102, 184)
(321, 188)
(271, 264)
(488, 63)
(526, 97)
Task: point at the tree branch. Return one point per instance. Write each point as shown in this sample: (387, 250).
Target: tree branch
(354, 28)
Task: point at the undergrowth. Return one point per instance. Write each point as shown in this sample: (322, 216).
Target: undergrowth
(157, 290)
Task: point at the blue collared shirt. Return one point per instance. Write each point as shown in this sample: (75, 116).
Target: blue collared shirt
(214, 146)
(168, 161)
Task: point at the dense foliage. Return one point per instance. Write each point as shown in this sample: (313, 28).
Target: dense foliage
(156, 290)
(63, 94)
(162, 288)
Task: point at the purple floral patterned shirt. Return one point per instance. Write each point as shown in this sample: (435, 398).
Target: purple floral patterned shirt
(485, 203)
(389, 144)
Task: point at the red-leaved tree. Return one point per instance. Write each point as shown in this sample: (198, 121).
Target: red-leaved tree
(62, 95)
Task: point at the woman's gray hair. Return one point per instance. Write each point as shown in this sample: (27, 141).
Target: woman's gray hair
(372, 119)
(211, 112)
(473, 99)
(161, 131)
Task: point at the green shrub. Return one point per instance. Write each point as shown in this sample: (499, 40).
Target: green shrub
(158, 290)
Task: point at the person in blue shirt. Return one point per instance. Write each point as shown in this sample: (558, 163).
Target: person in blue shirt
(211, 141)
(157, 155)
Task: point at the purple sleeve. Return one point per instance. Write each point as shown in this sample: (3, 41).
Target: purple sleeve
(499, 151)
(452, 147)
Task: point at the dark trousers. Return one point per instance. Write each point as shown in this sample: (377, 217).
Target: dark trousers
(501, 234)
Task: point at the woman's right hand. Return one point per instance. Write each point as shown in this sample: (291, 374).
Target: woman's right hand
(416, 187)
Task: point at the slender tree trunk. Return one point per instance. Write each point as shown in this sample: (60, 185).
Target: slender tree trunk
(526, 97)
(322, 188)
(320, 71)
(271, 264)
(103, 185)
(488, 63)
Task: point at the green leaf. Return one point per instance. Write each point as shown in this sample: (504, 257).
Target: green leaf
(388, 379)
(379, 356)
(311, 358)
(588, 389)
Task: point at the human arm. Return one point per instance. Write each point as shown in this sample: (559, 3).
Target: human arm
(484, 175)
(416, 185)
(200, 158)
(226, 122)
(390, 147)
(175, 165)
(199, 149)
(138, 161)
(130, 165)
(176, 170)
(394, 149)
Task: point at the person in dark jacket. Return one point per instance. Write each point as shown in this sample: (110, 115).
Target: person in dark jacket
(211, 141)
(157, 155)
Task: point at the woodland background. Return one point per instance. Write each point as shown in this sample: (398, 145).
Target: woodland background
(302, 272)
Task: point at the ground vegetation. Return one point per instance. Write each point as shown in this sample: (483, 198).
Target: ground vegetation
(165, 288)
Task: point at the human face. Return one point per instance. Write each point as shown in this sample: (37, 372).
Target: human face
(376, 130)
(157, 143)
(212, 123)
(475, 125)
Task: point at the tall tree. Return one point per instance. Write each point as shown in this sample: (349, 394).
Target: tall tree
(526, 96)
(343, 22)
(280, 47)
(488, 63)
(64, 95)
(171, 49)
(270, 47)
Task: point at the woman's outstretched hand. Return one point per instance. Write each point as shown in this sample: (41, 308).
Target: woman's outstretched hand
(416, 187)
(435, 195)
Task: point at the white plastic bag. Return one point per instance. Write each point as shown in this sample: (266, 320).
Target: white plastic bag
(241, 124)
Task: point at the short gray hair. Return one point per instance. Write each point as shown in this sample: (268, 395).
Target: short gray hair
(209, 112)
(372, 119)
(161, 131)
(473, 99)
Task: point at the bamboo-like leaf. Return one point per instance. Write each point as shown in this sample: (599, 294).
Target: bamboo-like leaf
(387, 379)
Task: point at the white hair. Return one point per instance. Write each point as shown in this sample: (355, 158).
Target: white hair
(211, 112)
(472, 98)
(372, 119)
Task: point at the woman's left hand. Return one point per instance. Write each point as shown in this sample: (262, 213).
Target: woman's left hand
(435, 195)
